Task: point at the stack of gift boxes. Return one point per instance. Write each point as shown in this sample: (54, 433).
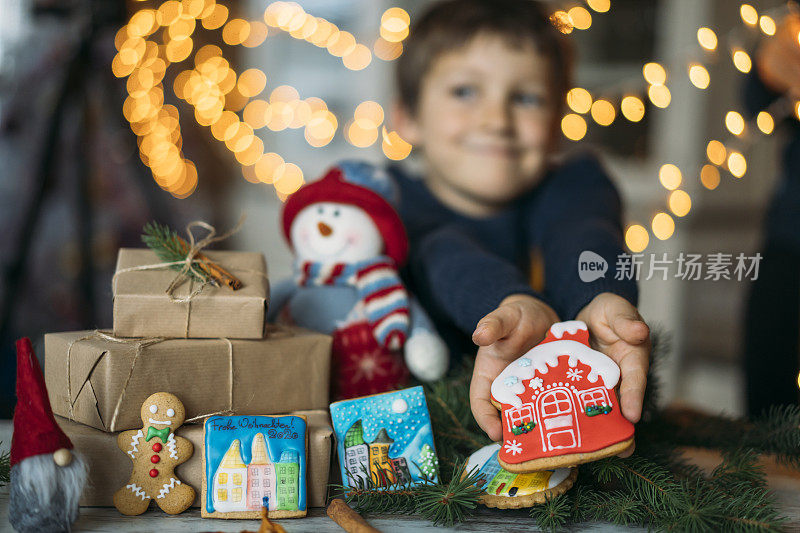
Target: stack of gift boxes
(213, 350)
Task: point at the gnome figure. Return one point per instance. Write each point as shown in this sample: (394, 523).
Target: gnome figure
(349, 243)
(47, 476)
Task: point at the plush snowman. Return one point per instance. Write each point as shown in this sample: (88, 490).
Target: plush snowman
(349, 243)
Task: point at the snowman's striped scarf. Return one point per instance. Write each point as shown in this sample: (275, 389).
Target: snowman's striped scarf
(379, 288)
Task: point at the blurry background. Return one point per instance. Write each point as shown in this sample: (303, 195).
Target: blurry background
(101, 130)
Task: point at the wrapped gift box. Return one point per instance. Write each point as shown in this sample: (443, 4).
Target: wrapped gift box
(142, 307)
(110, 468)
(100, 376)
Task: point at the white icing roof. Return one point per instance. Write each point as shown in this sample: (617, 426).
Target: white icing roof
(506, 389)
(570, 326)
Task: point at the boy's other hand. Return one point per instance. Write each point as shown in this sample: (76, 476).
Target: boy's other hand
(518, 324)
(617, 330)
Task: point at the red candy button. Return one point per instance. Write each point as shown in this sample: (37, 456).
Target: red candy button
(155, 459)
(153, 473)
(157, 447)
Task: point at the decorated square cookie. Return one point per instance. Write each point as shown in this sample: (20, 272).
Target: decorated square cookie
(385, 439)
(507, 490)
(559, 405)
(252, 462)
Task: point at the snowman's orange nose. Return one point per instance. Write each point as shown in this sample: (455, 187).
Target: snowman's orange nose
(324, 229)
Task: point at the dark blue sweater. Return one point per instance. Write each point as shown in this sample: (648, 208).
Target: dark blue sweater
(461, 268)
(783, 215)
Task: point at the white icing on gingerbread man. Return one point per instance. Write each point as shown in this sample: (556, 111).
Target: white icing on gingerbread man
(155, 452)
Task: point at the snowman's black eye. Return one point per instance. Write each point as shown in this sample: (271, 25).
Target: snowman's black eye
(320, 210)
(336, 213)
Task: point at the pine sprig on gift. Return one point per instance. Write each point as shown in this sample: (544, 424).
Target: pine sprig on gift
(169, 247)
(5, 468)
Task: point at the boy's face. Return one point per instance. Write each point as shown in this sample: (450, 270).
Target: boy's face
(483, 123)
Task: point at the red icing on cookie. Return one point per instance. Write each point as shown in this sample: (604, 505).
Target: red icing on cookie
(562, 404)
(154, 473)
(155, 459)
(157, 447)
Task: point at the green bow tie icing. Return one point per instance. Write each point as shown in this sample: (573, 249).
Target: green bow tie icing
(162, 434)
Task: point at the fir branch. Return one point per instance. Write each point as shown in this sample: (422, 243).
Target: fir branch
(169, 247)
(5, 468)
(553, 514)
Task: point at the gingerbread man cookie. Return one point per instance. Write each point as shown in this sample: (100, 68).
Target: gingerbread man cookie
(155, 452)
(559, 404)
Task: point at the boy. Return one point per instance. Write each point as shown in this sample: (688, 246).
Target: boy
(481, 90)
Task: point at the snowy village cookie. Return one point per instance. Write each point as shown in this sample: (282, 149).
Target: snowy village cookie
(559, 405)
(506, 490)
(385, 439)
(155, 452)
(252, 462)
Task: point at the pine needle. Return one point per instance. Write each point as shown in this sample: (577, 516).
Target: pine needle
(5, 468)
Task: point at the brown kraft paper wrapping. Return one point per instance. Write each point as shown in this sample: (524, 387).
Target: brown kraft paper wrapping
(110, 467)
(286, 371)
(142, 307)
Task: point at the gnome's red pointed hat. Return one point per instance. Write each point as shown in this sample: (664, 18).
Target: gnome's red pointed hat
(35, 428)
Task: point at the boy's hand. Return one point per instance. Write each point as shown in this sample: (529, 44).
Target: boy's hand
(619, 332)
(518, 324)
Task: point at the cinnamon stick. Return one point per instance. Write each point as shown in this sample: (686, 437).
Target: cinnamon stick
(213, 270)
(347, 518)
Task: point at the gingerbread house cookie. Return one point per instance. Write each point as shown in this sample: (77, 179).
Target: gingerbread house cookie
(559, 405)
(507, 490)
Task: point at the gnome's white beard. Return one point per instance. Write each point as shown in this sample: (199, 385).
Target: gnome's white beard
(44, 496)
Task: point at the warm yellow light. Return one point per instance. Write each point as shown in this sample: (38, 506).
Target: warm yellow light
(579, 100)
(251, 82)
(663, 226)
(225, 127)
(290, 180)
(709, 177)
(316, 104)
(573, 126)
(215, 18)
(680, 203)
(654, 73)
(716, 152)
(387, 51)
(636, 238)
(562, 22)
(765, 122)
(707, 38)
(767, 25)
(632, 108)
(301, 114)
(394, 147)
(283, 93)
(342, 45)
(281, 115)
(659, 95)
(737, 164)
(580, 17)
(699, 76)
(601, 6)
(181, 28)
(670, 176)
(321, 128)
(742, 61)
(177, 51)
(393, 37)
(257, 113)
(734, 122)
(361, 133)
(603, 112)
(797, 109)
(235, 32)
(358, 58)
(369, 111)
(257, 35)
(269, 167)
(168, 12)
(749, 14)
(395, 20)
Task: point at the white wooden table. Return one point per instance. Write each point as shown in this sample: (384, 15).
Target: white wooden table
(154, 520)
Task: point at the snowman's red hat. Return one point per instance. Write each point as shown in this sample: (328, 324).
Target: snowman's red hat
(350, 184)
(35, 428)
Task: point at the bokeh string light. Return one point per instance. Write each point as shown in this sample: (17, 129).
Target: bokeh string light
(235, 106)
